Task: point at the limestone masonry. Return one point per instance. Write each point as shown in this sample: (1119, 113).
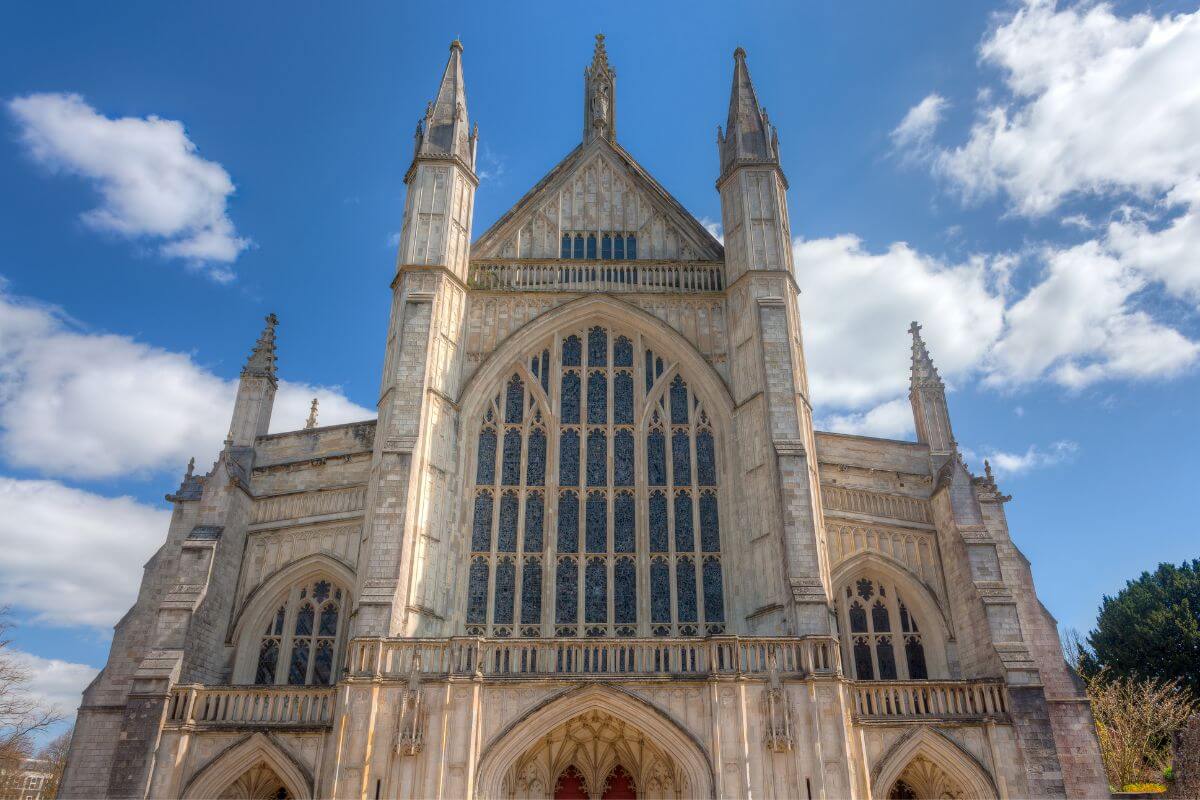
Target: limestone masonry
(592, 545)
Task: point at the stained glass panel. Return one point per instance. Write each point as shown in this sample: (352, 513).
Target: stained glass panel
(481, 529)
(534, 514)
(597, 347)
(706, 460)
(506, 533)
(329, 620)
(597, 458)
(268, 660)
(623, 458)
(568, 458)
(656, 458)
(886, 658)
(622, 352)
(685, 589)
(535, 467)
(531, 593)
(597, 391)
(623, 523)
(685, 539)
(510, 474)
(681, 459)
(298, 669)
(660, 592)
(572, 351)
(565, 592)
(624, 592)
(596, 527)
(477, 592)
(514, 401)
(506, 577)
(570, 398)
(485, 464)
(679, 401)
(596, 589)
(323, 663)
(714, 601)
(568, 522)
(658, 522)
(710, 526)
(623, 398)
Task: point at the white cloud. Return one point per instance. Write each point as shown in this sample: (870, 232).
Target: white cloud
(1096, 104)
(713, 227)
(150, 178)
(96, 405)
(856, 341)
(1009, 464)
(71, 557)
(1078, 325)
(55, 683)
(914, 133)
(890, 420)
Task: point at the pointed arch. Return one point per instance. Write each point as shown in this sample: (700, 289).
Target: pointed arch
(959, 764)
(867, 561)
(506, 747)
(264, 599)
(218, 773)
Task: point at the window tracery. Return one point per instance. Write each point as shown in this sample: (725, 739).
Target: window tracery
(625, 516)
(301, 639)
(879, 650)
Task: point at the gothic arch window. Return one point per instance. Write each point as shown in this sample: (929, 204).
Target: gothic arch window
(301, 638)
(595, 508)
(883, 637)
(608, 246)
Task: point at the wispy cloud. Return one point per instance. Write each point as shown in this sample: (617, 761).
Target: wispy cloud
(1005, 463)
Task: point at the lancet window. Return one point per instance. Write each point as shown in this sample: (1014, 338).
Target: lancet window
(605, 246)
(884, 639)
(301, 638)
(595, 509)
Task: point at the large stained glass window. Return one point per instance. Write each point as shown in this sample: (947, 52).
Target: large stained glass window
(595, 480)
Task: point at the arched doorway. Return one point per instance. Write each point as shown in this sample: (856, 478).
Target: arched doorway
(596, 730)
(924, 780)
(927, 765)
(596, 756)
(257, 783)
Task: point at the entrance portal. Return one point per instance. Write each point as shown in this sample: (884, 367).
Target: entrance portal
(596, 756)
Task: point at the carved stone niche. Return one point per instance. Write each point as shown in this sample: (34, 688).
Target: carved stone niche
(410, 732)
(777, 712)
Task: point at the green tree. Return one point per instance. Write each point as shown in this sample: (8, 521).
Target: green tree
(1151, 629)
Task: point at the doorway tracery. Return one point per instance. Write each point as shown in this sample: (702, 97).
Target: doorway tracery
(596, 756)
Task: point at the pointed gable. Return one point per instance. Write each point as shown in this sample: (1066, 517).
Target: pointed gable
(598, 188)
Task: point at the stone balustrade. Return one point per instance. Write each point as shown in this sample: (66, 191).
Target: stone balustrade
(213, 706)
(902, 701)
(594, 658)
(596, 276)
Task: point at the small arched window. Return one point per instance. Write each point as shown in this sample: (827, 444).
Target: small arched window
(301, 639)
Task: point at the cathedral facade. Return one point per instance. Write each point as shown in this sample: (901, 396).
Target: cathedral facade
(592, 546)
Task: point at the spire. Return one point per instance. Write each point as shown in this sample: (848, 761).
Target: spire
(749, 135)
(445, 130)
(924, 373)
(262, 358)
(599, 96)
(927, 394)
(312, 416)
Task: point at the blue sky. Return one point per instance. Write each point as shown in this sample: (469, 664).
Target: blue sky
(1021, 177)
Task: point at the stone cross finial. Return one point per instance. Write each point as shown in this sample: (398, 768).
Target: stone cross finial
(599, 83)
(312, 416)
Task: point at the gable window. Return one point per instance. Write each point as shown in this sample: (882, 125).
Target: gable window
(605, 246)
(602, 517)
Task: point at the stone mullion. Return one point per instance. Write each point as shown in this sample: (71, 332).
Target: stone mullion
(669, 457)
(609, 468)
(697, 546)
(893, 604)
(585, 380)
(550, 497)
(289, 633)
(871, 642)
(641, 490)
(522, 498)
